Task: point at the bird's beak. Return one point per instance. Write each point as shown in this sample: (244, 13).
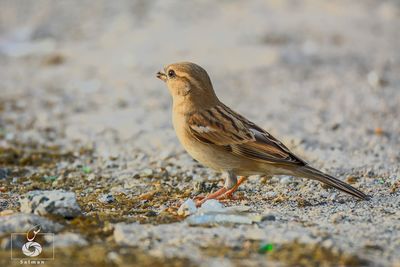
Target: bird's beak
(162, 76)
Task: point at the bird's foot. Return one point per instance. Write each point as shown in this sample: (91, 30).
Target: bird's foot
(200, 199)
(229, 194)
(221, 194)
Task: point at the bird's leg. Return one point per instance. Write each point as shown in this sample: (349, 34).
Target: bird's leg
(228, 193)
(230, 183)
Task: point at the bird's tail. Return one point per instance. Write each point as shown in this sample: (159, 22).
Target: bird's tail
(311, 173)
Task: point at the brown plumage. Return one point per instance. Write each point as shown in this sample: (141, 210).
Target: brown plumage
(219, 138)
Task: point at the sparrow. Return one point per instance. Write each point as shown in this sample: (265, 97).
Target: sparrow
(221, 139)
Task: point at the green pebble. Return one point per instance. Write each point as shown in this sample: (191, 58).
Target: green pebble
(86, 169)
(266, 248)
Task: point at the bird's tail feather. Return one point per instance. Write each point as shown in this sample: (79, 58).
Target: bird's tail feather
(309, 172)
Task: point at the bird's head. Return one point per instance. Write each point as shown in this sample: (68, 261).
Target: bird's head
(189, 84)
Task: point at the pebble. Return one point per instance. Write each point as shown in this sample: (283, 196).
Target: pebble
(212, 205)
(187, 208)
(115, 258)
(337, 217)
(328, 243)
(28, 48)
(21, 222)
(213, 212)
(333, 196)
(286, 180)
(55, 202)
(106, 198)
(147, 172)
(211, 219)
(268, 217)
(6, 212)
(3, 173)
(91, 177)
(374, 79)
(68, 240)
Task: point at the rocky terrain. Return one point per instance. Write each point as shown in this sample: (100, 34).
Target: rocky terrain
(87, 149)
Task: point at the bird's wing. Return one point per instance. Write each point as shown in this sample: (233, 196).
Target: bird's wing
(223, 127)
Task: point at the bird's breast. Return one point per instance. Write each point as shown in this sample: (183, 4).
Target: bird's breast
(212, 156)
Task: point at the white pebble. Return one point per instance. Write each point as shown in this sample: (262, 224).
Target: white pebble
(187, 208)
(212, 205)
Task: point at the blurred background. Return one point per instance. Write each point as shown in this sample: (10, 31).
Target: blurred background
(307, 64)
(323, 76)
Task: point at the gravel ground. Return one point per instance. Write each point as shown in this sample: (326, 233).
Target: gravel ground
(81, 111)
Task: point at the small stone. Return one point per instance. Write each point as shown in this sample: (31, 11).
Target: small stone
(268, 217)
(56, 202)
(88, 190)
(21, 222)
(238, 208)
(68, 240)
(3, 173)
(106, 198)
(91, 177)
(151, 213)
(211, 205)
(166, 154)
(286, 180)
(370, 173)
(111, 163)
(130, 234)
(333, 197)
(352, 179)
(379, 131)
(28, 48)
(147, 172)
(71, 176)
(54, 59)
(219, 218)
(328, 243)
(163, 207)
(4, 203)
(335, 126)
(6, 212)
(375, 80)
(114, 258)
(337, 217)
(187, 208)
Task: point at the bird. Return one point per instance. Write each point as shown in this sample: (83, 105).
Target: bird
(223, 140)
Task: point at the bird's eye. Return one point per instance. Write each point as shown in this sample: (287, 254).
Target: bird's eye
(171, 74)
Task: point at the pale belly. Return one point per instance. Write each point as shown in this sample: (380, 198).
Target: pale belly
(210, 156)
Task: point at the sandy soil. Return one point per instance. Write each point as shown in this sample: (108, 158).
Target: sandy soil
(81, 110)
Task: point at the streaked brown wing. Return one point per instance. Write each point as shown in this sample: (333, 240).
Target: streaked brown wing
(217, 127)
(223, 127)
